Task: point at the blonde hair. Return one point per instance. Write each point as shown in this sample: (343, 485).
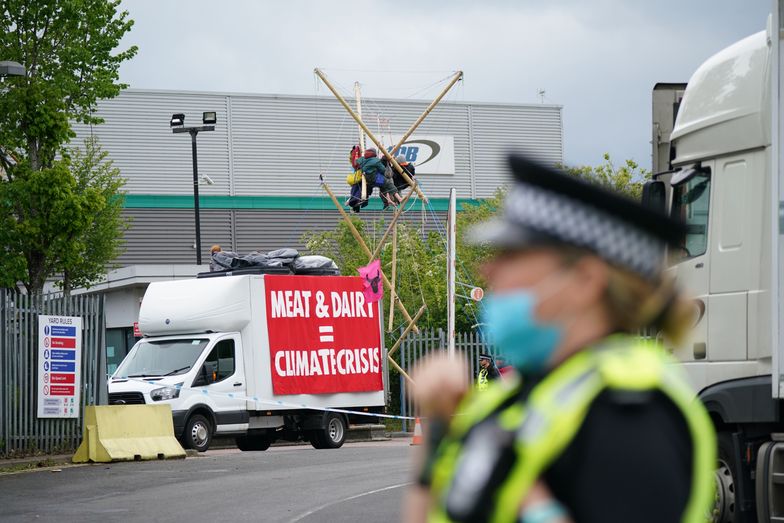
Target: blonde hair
(635, 304)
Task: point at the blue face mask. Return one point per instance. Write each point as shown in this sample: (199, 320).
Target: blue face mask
(510, 324)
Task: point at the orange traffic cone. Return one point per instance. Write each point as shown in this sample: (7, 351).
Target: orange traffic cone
(418, 438)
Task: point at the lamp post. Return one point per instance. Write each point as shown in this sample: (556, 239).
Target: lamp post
(177, 124)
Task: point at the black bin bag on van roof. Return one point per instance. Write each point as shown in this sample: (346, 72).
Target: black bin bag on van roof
(286, 256)
(315, 265)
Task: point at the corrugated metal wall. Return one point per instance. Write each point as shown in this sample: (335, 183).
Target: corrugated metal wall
(277, 145)
(167, 235)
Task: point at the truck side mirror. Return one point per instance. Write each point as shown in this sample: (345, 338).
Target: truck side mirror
(654, 196)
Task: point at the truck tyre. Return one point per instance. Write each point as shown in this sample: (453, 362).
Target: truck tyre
(334, 433)
(724, 510)
(198, 433)
(250, 443)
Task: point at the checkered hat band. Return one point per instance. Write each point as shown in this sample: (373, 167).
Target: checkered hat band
(577, 223)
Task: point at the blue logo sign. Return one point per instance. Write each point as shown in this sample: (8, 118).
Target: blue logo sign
(46, 330)
(46, 353)
(411, 152)
(46, 365)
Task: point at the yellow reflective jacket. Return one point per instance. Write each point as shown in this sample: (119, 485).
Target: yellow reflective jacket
(540, 428)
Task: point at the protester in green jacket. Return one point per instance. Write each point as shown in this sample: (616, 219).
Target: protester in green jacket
(373, 170)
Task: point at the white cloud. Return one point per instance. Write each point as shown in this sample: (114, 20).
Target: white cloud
(598, 59)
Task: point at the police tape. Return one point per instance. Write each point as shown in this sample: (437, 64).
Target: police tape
(256, 399)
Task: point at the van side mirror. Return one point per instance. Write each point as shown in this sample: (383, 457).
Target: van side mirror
(654, 196)
(203, 378)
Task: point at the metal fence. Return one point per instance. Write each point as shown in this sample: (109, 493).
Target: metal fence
(21, 431)
(467, 345)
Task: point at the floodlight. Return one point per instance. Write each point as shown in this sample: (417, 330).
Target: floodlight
(177, 119)
(209, 117)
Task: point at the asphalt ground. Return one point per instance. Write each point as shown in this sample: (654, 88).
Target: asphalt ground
(359, 482)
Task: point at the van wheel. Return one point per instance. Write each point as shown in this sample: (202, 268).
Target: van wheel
(334, 433)
(724, 508)
(249, 443)
(198, 433)
(314, 437)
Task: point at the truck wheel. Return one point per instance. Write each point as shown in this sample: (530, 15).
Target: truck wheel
(724, 509)
(334, 434)
(198, 433)
(249, 443)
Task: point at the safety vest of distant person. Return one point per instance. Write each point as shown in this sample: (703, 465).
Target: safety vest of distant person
(482, 383)
(541, 428)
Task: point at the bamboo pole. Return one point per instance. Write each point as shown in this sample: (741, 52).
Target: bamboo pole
(370, 134)
(364, 247)
(394, 281)
(411, 326)
(400, 370)
(392, 224)
(455, 79)
(358, 97)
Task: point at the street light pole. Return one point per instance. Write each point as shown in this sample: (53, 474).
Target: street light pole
(177, 124)
(193, 133)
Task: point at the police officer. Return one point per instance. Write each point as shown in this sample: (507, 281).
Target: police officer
(487, 372)
(596, 425)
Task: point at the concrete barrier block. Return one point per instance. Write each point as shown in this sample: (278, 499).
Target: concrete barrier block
(128, 433)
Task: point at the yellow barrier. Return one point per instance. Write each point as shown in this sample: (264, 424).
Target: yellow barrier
(128, 433)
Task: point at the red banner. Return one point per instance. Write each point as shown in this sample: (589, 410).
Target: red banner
(323, 336)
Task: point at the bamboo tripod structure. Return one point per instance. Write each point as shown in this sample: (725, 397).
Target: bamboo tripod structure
(365, 131)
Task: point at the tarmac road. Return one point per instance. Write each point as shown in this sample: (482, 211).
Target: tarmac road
(359, 482)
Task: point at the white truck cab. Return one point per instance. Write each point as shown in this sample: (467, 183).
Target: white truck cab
(260, 357)
(723, 183)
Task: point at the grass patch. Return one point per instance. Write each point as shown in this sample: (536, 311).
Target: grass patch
(29, 465)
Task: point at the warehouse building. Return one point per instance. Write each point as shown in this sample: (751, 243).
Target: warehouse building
(259, 174)
(260, 168)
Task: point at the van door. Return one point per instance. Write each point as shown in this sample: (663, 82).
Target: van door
(222, 377)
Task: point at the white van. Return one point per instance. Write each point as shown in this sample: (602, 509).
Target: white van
(257, 357)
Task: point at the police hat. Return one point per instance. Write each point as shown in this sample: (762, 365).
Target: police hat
(548, 207)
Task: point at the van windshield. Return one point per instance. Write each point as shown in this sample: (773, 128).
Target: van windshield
(161, 358)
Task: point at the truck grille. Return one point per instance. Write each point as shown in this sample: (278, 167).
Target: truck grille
(126, 398)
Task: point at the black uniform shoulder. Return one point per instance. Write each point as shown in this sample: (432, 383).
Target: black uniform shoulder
(630, 461)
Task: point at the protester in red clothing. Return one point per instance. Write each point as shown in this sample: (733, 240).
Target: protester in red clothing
(503, 366)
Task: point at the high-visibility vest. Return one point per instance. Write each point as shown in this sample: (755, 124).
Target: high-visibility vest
(481, 380)
(541, 428)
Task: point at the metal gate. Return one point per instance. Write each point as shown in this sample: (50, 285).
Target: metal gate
(21, 431)
(467, 345)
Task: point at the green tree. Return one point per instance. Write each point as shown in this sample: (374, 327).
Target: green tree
(69, 50)
(626, 179)
(85, 260)
(421, 259)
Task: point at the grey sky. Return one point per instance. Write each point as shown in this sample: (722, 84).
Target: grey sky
(599, 58)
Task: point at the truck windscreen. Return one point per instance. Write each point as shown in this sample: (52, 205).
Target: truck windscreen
(161, 358)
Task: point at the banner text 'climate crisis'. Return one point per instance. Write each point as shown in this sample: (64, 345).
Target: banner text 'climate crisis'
(327, 362)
